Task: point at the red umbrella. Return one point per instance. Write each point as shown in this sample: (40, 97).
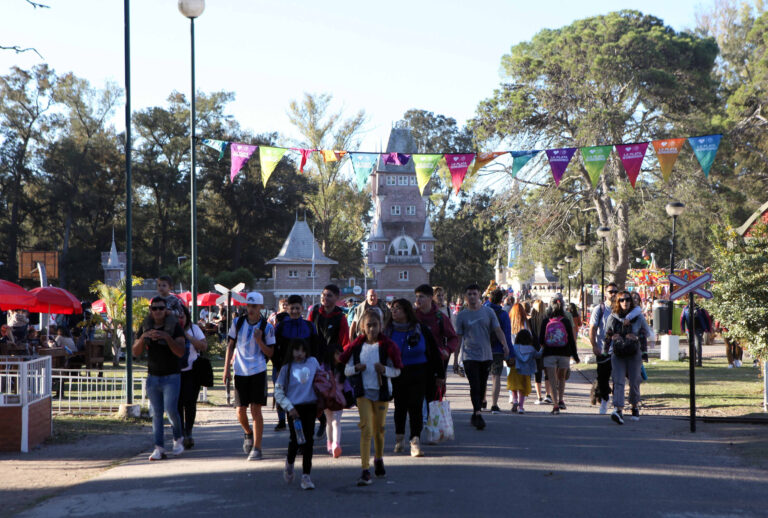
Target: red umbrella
(99, 306)
(184, 296)
(242, 294)
(13, 296)
(207, 299)
(51, 299)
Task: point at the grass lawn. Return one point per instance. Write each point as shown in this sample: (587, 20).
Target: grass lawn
(70, 428)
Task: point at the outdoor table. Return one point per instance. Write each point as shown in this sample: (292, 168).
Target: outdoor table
(58, 356)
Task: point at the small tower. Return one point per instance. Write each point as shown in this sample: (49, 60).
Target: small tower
(113, 264)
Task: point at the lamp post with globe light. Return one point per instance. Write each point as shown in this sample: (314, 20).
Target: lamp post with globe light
(673, 209)
(568, 260)
(580, 247)
(192, 9)
(603, 233)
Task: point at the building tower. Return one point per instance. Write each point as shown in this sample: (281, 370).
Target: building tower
(113, 264)
(401, 247)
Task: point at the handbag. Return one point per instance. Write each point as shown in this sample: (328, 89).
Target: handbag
(330, 394)
(439, 425)
(203, 372)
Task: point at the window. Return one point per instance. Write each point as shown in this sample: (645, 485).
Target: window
(391, 179)
(293, 274)
(413, 180)
(402, 180)
(411, 210)
(423, 247)
(395, 210)
(374, 246)
(310, 274)
(404, 275)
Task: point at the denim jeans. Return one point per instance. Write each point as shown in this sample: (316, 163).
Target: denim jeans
(163, 392)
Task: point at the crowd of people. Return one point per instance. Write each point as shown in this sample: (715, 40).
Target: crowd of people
(387, 353)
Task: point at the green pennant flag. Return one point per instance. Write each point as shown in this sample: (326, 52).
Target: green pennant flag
(218, 145)
(425, 165)
(269, 158)
(594, 161)
(520, 158)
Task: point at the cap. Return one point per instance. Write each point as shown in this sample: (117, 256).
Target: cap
(558, 296)
(254, 297)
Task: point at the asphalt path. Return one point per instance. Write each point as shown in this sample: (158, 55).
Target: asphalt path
(575, 464)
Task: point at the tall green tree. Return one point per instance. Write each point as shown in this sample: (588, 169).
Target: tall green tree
(341, 212)
(622, 77)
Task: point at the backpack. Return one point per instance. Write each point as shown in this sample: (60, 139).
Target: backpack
(322, 326)
(240, 321)
(555, 334)
(356, 380)
(624, 347)
(330, 393)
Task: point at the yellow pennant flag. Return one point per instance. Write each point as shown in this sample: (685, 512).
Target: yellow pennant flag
(483, 159)
(667, 151)
(330, 155)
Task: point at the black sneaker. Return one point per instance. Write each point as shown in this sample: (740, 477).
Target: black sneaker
(378, 468)
(365, 479)
(320, 430)
(617, 416)
(548, 399)
(280, 426)
(495, 409)
(480, 422)
(561, 405)
(484, 405)
(635, 414)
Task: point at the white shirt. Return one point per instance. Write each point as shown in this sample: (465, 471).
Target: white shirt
(198, 334)
(249, 359)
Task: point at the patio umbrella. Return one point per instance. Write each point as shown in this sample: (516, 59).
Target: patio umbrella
(184, 296)
(99, 306)
(13, 296)
(51, 299)
(237, 302)
(207, 299)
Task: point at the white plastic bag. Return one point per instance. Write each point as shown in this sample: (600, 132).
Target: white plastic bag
(440, 423)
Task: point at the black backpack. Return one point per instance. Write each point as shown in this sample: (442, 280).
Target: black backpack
(356, 380)
(624, 347)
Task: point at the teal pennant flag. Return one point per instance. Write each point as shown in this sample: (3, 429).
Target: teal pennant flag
(362, 165)
(218, 145)
(705, 149)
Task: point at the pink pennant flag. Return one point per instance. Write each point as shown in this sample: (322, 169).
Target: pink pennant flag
(395, 158)
(458, 165)
(239, 153)
(631, 156)
(305, 153)
(559, 160)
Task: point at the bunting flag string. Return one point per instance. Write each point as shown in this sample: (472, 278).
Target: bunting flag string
(459, 164)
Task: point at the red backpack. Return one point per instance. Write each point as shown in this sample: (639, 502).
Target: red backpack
(555, 334)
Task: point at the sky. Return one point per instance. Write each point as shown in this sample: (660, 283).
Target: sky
(381, 57)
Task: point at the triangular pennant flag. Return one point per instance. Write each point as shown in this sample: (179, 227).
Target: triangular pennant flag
(269, 158)
(395, 158)
(559, 160)
(304, 156)
(705, 149)
(239, 154)
(520, 158)
(425, 165)
(330, 155)
(362, 165)
(594, 161)
(458, 165)
(667, 151)
(218, 145)
(483, 159)
(631, 156)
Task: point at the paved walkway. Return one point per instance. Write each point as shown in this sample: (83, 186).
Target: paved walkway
(576, 464)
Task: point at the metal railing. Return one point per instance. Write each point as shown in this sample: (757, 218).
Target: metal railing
(24, 381)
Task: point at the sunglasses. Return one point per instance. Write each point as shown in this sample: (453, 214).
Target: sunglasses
(625, 299)
(157, 308)
(612, 292)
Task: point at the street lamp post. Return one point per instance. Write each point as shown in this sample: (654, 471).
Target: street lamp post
(673, 209)
(568, 260)
(602, 233)
(580, 247)
(192, 9)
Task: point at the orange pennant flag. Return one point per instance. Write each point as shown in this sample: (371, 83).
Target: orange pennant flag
(667, 151)
(483, 159)
(329, 155)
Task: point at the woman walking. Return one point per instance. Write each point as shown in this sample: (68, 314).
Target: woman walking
(536, 317)
(294, 392)
(371, 360)
(422, 374)
(556, 338)
(622, 342)
(195, 343)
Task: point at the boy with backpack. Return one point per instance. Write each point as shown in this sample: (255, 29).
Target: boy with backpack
(251, 344)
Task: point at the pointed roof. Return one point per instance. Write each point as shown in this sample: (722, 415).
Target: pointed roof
(542, 275)
(299, 248)
(114, 260)
(400, 141)
(427, 234)
(377, 231)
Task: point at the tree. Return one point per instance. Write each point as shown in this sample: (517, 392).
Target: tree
(341, 212)
(740, 290)
(114, 301)
(622, 77)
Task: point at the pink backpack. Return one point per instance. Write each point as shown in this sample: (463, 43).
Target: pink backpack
(555, 334)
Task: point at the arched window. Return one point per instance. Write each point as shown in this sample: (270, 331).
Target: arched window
(403, 246)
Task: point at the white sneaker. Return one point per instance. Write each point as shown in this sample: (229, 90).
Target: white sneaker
(737, 363)
(306, 482)
(288, 472)
(603, 407)
(178, 447)
(416, 448)
(731, 365)
(255, 454)
(158, 454)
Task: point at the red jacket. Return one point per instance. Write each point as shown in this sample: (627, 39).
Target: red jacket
(393, 352)
(445, 339)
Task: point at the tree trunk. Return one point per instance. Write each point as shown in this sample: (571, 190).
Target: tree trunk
(620, 251)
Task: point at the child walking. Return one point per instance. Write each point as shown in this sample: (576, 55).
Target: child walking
(371, 360)
(294, 392)
(523, 362)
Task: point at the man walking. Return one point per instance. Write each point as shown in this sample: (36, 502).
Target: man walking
(371, 302)
(476, 324)
(702, 323)
(251, 343)
(597, 322)
(497, 363)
